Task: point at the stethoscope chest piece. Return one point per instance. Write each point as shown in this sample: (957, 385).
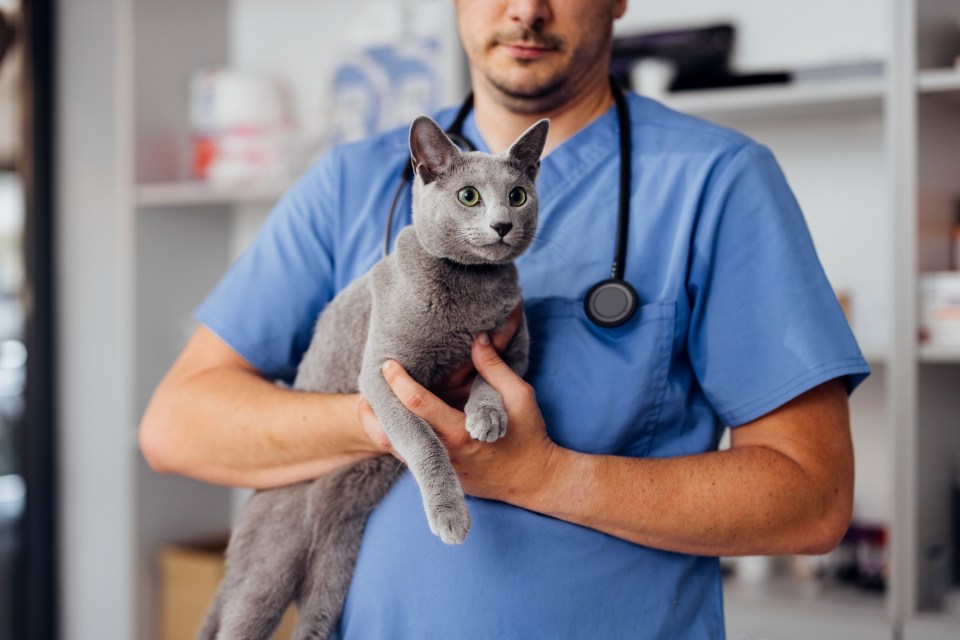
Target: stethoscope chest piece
(611, 303)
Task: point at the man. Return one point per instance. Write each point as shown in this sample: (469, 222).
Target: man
(607, 502)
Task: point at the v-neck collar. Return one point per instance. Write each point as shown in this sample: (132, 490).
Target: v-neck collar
(560, 169)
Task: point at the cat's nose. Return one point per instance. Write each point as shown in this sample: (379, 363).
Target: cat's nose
(502, 228)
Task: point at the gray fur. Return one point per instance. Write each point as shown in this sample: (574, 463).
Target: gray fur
(450, 277)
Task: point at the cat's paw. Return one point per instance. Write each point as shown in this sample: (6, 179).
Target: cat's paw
(487, 424)
(450, 522)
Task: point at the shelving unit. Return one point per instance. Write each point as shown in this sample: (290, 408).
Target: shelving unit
(873, 162)
(933, 196)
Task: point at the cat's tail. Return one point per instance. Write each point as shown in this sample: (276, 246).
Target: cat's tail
(341, 507)
(265, 565)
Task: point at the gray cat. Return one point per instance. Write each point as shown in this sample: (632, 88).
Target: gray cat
(450, 277)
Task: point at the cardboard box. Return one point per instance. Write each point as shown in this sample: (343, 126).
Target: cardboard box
(190, 575)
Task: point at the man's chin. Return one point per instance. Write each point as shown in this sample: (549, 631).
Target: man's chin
(525, 85)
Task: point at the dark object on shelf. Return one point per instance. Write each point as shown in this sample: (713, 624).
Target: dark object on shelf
(700, 57)
(861, 557)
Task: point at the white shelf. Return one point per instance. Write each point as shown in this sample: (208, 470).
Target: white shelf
(196, 193)
(939, 353)
(932, 626)
(793, 609)
(812, 595)
(785, 99)
(939, 80)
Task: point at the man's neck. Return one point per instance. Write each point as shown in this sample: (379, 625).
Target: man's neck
(500, 126)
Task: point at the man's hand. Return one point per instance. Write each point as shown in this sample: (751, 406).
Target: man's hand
(513, 468)
(456, 389)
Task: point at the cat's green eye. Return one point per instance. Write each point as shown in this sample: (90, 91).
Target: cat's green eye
(468, 196)
(517, 197)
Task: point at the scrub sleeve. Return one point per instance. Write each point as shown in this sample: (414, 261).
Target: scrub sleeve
(266, 305)
(765, 325)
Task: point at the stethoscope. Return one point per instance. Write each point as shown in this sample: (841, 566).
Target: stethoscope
(610, 302)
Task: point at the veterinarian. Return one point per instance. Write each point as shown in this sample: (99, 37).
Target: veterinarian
(602, 512)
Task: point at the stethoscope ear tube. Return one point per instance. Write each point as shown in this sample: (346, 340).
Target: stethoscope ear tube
(612, 302)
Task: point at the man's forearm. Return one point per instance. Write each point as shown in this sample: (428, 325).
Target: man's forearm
(750, 500)
(785, 485)
(232, 427)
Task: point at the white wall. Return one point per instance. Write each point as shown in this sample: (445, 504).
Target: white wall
(319, 34)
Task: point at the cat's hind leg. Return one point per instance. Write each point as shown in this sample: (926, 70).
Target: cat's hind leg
(211, 623)
(265, 565)
(343, 503)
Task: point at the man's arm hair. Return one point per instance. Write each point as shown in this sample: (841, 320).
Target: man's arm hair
(215, 418)
(784, 486)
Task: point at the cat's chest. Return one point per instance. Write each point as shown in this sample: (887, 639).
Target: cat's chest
(455, 302)
(427, 320)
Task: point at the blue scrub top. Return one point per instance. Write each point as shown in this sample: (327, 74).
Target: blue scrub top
(736, 318)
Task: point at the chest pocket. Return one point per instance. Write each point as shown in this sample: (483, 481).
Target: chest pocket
(600, 389)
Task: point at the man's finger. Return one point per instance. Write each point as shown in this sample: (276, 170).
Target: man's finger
(418, 399)
(371, 424)
(494, 370)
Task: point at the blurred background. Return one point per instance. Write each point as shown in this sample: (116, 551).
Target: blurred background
(142, 143)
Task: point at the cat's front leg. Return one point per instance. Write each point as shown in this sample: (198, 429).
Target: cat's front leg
(486, 415)
(426, 457)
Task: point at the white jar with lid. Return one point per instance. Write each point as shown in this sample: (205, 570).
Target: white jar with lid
(940, 307)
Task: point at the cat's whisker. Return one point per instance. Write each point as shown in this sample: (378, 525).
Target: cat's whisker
(541, 241)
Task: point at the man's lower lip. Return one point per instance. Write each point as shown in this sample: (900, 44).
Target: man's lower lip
(525, 53)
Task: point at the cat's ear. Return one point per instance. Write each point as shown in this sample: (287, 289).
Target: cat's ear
(526, 151)
(431, 151)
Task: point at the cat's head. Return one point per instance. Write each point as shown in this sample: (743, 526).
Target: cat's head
(473, 207)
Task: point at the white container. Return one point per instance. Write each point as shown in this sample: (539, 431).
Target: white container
(651, 77)
(940, 307)
(224, 99)
(241, 131)
(384, 87)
